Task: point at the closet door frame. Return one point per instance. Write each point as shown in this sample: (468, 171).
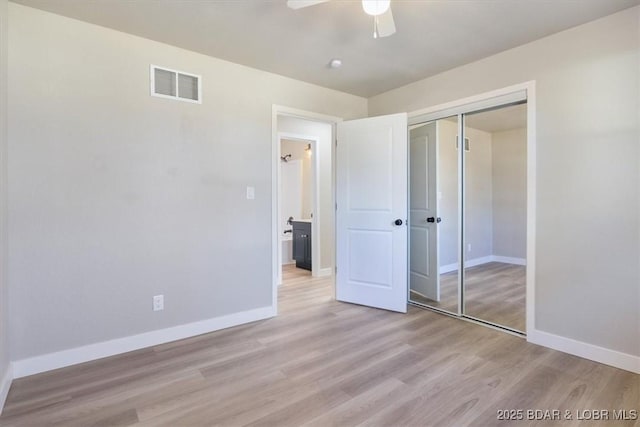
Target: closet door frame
(504, 97)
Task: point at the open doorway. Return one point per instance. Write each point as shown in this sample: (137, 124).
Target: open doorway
(304, 199)
(298, 196)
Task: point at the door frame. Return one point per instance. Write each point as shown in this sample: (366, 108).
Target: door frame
(276, 246)
(315, 198)
(454, 108)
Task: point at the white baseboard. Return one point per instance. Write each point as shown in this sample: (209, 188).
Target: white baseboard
(448, 268)
(509, 260)
(614, 358)
(60, 359)
(324, 272)
(478, 261)
(5, 385)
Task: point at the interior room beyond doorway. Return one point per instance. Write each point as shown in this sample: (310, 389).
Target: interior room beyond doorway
(305, 196)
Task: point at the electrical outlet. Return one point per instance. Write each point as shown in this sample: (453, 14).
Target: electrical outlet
(469, 247)
(158, 302)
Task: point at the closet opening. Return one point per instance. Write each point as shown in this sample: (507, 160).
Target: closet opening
(468, 207)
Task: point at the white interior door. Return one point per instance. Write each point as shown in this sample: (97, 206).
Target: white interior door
(424, 275)
(371, 195)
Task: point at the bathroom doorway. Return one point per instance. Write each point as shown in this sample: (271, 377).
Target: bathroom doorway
(298, 203)
(304, 243)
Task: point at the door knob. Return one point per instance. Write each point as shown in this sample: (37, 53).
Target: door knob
(398, 222)
(432, 219)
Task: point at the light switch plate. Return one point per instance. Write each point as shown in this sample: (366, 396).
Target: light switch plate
(251, 193)
(158, 302)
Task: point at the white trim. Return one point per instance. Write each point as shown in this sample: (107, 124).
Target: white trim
(303, 114)
(152, 84)
(617, 359)
(531, 206)
(325, 272)
(461, 237)
(460, 103)
(477, 261)
(60, 359)
(5, 385)
(467, 264)
(448, 268)
(530, 88)
(279, 110)
(508, 260)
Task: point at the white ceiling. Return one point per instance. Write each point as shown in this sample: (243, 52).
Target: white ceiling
(433, 35)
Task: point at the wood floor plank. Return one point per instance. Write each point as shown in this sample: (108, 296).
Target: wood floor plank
(494, 292)
(325, 363)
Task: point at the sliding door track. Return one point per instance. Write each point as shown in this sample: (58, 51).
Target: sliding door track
(472, 319)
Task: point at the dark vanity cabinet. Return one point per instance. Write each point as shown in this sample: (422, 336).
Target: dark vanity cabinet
(302, 244)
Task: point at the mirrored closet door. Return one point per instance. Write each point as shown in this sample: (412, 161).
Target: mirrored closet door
(468, 207)
(433, 213)
(495, 215)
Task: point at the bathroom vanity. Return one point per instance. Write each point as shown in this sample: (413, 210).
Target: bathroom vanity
(302, 243)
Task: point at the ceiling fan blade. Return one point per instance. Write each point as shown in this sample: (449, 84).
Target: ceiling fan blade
(299, 4)
(386, 25)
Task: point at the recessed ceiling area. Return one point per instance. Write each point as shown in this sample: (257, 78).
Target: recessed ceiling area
(432, 36)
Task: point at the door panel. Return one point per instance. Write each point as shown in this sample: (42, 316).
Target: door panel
(424, 276)
(369, 155)
(433, 195)
(421, 277)
(377, 245)
(371, 194)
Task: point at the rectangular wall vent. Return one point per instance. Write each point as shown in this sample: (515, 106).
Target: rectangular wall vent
(172, 84)
(467, 144)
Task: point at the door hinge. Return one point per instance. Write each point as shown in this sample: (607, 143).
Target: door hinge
(336, 206)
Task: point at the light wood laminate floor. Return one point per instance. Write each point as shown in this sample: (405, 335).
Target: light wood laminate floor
(325, 363)
(494, 292)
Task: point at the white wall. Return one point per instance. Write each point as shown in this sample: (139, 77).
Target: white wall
(479, 211)
(509, 182)
(448, 189)
(588, 236)
(116, 196)
(290, 194)
(324, 133)
(4, 318)
(298, 153)
(478, 195)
